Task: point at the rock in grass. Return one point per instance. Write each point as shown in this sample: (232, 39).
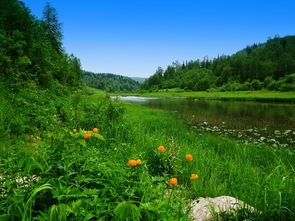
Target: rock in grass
(262, 138)
(204, 209)
(277, 132)
(287, 131)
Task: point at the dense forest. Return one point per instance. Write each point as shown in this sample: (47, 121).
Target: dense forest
(36, 74)
(269, 65)
(31, 50)
(109, 82)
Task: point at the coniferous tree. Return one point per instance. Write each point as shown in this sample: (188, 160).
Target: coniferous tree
(52, 27)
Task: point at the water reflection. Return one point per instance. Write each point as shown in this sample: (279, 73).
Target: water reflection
(256, 121)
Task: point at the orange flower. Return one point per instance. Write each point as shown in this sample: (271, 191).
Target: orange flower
(86, 136)
(95, 130)
(194, 176)
(161, 148)
(138, 161)
(189, 157)
(88, 132)
(132, 163)
(173, 181)
(74, 130)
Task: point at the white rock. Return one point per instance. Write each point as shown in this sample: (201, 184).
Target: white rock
(262, 138)
(203, 209)
(287, 131)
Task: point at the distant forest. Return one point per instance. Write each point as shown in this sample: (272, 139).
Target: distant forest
(270, 65)
(110, 82)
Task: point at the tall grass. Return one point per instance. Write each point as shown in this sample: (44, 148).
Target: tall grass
(89, 179)
(259, 175)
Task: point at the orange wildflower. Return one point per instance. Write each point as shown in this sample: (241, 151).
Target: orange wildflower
(88, 131)
(189, 157)
(138, 161)
(74, 130)
(161, 148)
(95, 130)
(86, 136)
(173, 181)
(194, 176)
(132, 163)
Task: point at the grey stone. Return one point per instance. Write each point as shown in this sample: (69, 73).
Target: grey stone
(203, 209)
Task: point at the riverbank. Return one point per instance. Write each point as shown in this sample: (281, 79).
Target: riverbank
(87, 172)
(227, 95)
(252, 173)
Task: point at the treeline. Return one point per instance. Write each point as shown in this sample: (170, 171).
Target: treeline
(110, 82)
(270, 65)
(31, 49)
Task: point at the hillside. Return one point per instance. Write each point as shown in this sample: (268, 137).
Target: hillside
(258, 66)
(109, 82)
(139, 79)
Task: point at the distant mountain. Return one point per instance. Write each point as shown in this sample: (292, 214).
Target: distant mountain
(109, 82)
(138, 79)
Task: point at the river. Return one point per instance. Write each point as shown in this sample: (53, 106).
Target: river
(248, 121)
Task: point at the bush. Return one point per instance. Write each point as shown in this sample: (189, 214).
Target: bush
(286, 83)
(256, 84)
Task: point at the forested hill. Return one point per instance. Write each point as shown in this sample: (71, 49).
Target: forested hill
(109, 82)
(269, 65)
(31, 50)
(37, 76)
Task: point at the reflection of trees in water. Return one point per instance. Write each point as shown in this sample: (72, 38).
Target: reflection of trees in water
(238, 115)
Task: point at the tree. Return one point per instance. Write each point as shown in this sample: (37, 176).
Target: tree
(52, 27)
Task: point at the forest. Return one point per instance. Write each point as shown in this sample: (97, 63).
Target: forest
(31, 50)
(110, 82)
(269, 65)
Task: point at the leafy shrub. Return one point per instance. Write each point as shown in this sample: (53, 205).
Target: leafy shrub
(256, 84)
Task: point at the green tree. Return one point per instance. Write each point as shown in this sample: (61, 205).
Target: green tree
(52, 27)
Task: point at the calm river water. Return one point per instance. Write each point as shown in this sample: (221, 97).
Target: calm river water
(257, 122)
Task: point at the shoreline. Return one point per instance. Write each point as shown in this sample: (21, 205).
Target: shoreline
(259, 96)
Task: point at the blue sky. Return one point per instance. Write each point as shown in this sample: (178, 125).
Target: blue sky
(134, 37)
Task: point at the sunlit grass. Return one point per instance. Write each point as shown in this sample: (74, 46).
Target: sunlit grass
(269, 95)
(258, 175)
(139, 164)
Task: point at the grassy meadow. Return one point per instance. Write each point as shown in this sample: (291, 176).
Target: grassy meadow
(118, 171)
(242, 95)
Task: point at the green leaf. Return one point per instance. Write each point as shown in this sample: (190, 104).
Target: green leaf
(82, 142)
(99, 136)
(127, 211)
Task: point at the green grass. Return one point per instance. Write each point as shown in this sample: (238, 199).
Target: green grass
(258, 175)
(86, 179)
(250, 95)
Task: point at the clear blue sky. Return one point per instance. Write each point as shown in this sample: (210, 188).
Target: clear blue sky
(134, 37)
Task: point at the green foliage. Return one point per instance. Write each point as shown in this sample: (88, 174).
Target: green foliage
(52, 27)
(90, 178)
(127, 211)
(109, 82)
(31, 49)
(244, 70)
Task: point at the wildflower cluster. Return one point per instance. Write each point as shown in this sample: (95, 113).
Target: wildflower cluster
(189, 157)
(81, 136)
(134, 163)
